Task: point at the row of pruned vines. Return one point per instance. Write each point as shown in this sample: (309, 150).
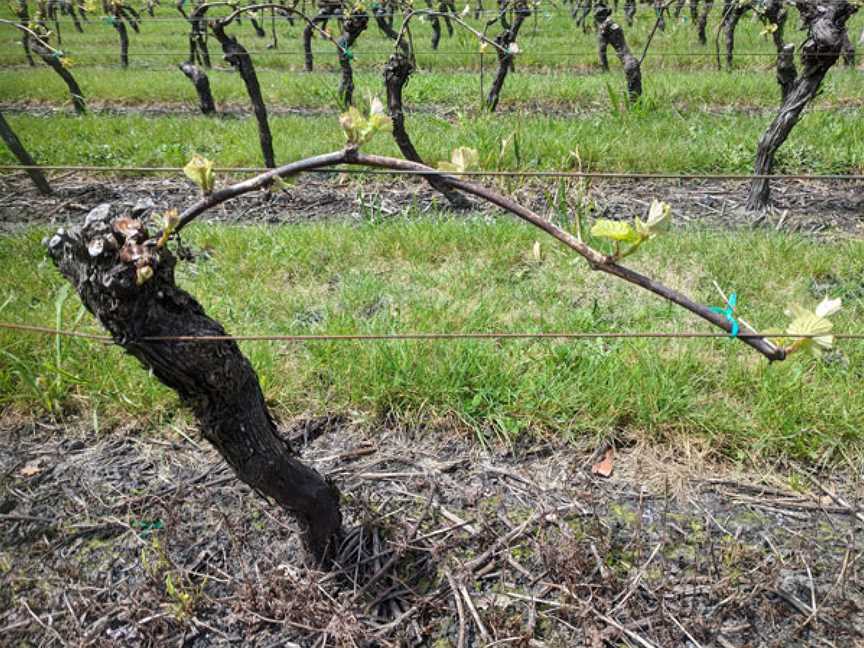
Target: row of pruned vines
(342, 24)
(123, 269)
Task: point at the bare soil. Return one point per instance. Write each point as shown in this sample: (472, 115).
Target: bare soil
(128, 539)
(802, 206)
(237, 110)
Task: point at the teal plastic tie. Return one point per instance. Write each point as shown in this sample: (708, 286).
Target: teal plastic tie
(729, 313)
(146, 526)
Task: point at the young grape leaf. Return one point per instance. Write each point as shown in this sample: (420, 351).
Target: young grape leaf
(659, 220)
(461, 159)
(813, 324)
(614, 230)
(360, 129)
(200, 171)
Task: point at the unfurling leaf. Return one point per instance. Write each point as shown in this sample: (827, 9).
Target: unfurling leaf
(352, 122)
(827, 307)
(359, 129)
(462, 159)
(814, 324)
(614, 230)
(200, 171)
(513, 48)
(466, 10)
(379, 120)
(659, 220)
(483, 46)
(770, 28)
(143, 275)
(170, 220)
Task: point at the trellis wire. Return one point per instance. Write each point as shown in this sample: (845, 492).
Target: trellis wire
(385, 337)
(609, 175)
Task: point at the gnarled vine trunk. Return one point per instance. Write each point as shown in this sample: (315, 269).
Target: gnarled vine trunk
(504, 40)
(52, 61)
(396, 74)
(239, 59)
(352, 27)
(702, 21)
(215, 380)
(23, 14)
(610, 33)
(327, 9)
(826, 26)
(202, 86)
(21, 154)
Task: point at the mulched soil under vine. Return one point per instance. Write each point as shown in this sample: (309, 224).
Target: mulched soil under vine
(136, 539)
(800, 206)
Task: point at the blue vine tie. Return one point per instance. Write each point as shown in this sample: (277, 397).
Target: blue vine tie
(729, 313)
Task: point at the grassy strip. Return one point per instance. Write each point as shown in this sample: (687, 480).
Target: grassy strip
(645, 141)
(446, 275)
(684, 90)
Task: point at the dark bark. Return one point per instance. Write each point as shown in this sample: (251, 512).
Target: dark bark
(447, 7)
(734, 12)
(120, 26)
(694, 10)
(660, 11)
(198, 51)
(52, 61)
(327, 11)
(507, 37)
(21, 154)
(583, 9)
(380, 12)
(239, 59)
(629, 11)
(396, 75)
(786, 71)
(259, 30)
(826, 26)
(610, 33)
(202, 86)
(214, 380)
(702, 21)
(23, 14)
(775, 13)
(74, 15)
(353, 25)
(436, 26)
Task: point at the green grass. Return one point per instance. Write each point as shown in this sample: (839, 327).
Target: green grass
(691, 118)
(552, 41)
(646, 141)
(437, 274)
(686, 90)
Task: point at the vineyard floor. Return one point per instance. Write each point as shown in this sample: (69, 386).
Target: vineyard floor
(140, 539)
(800, 205)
